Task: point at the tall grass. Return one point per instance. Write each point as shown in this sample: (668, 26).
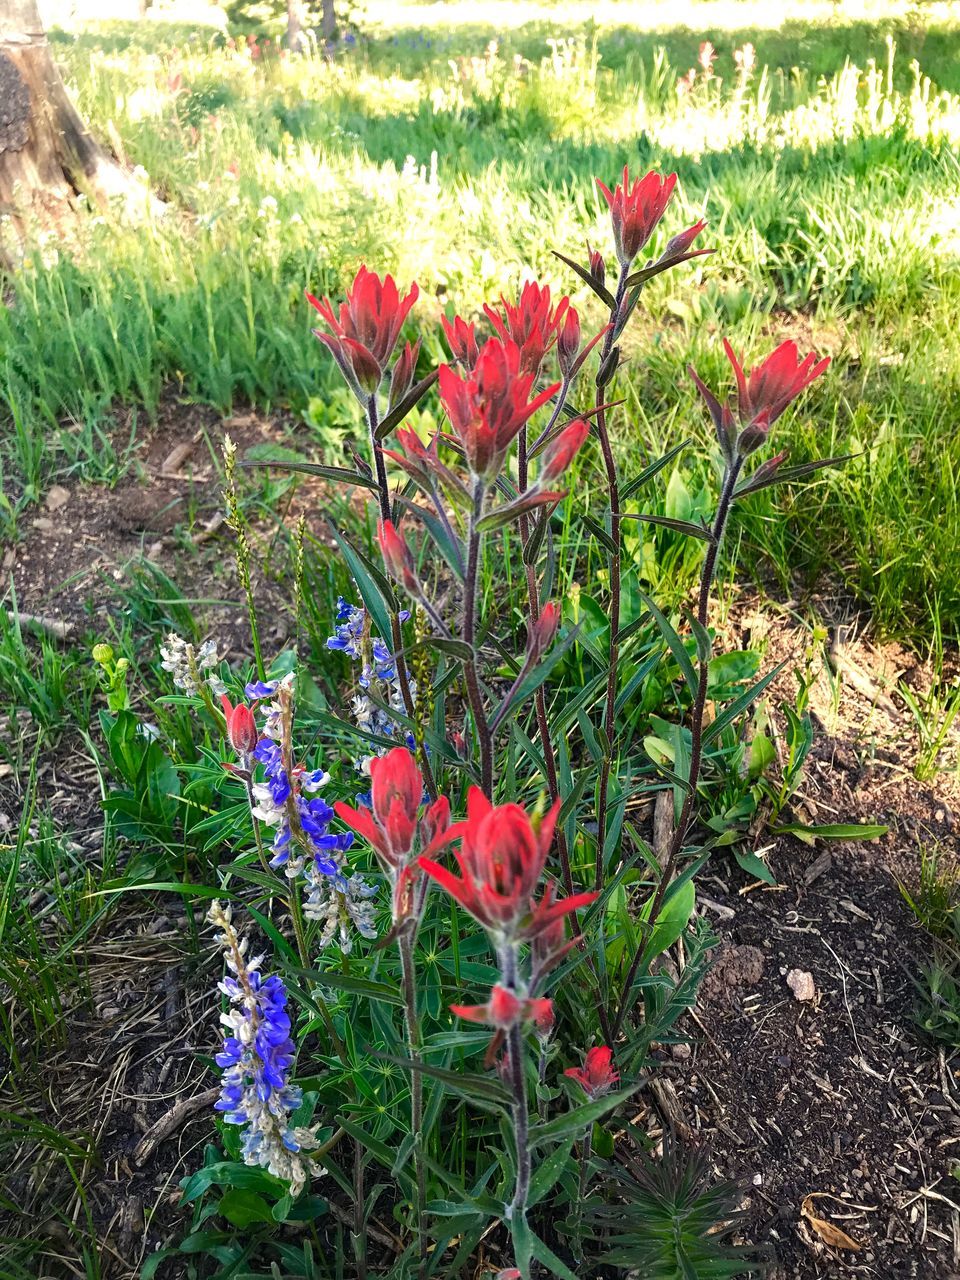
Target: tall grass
(828, 173)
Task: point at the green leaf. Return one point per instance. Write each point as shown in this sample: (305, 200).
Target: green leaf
(754, 866)
(477, 1089)
(599, 532)
(600, 290)
(230, 1173)
(409, 401)
(681, 526)
(548, 1172)
(378, 603)
(653, 469)
(783, 475)
(244, 1208)
(673, 919)
(580, 1119)
(348, 982)
(342, 475)
(739, 705)
(833, 830)
(675, 644)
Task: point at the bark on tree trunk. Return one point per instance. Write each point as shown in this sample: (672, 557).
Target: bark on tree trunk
(295, 23)
(46, 151)
(328, 20)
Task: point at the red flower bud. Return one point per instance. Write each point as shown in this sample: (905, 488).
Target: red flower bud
(241, 727)
(370, 319)
(598, 268)
(401, 380)
(397, 557)
(489, 406)
(561, 451)
(462, 340)
(532, 324)
(541, 633)
(501, 859)
(568, 344)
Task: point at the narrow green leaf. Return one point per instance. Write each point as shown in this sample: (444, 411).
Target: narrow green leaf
(409, 401)
(833, 830)
(379, 603)
(600, 290)
(342, 475)
(681, 526)
(653, 469)
(675, 645)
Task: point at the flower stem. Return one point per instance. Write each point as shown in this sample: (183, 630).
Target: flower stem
(471, 673)
(614, 570)
(586, 1151)
(518, 1085)
(412, 1022)
(724, 505)
(396, 637)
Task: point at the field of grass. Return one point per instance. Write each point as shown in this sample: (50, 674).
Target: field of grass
(459, 153)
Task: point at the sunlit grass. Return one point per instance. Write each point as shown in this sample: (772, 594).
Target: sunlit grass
(828, 172)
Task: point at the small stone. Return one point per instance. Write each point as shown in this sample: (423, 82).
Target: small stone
(57, 497)
(801, 984)
(43, 524)
(680, 1052)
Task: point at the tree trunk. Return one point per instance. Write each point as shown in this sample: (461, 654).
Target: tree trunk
(328, 20)
(46, 152)
(295, 23)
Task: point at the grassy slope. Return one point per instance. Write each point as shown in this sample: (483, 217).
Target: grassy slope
(833, 205)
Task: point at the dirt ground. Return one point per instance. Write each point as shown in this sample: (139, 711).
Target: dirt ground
(805, 1077)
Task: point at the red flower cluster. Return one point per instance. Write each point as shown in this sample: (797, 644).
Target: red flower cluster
(488, 407)
(364, 333)
(504, 1010)
(762, 396)
(561, 451)
(532, 324)
(635, 210)
(462, 340)
(597, 1076)
(501, 858)
(397, 557)
(392, 828)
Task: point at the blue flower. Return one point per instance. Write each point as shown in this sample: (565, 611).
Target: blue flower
(256, 1055)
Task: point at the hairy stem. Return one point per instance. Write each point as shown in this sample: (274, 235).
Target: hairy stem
(396, 637)
(724, 505)
(471, 673)
(614, 571)
(518, 1086)
(412, 1023)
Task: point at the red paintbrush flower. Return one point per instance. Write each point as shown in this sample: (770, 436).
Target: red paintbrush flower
(504, 1010)
(762, 396)
(242, 731)
(462, 340)
(532, 323)
(501, 859)
(635, 210)
(597, 1075)
(489, 406)
(364, 332)
(391, 829)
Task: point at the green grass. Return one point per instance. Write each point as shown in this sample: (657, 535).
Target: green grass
(829, 177)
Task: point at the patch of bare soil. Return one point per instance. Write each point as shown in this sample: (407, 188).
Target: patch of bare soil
(807, 1078)
(78, 550)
